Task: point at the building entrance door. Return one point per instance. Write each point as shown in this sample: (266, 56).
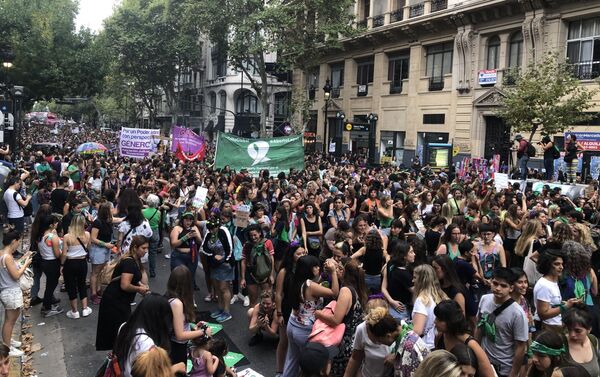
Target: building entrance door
(497, 139)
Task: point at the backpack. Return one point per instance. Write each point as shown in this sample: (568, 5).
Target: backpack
(555, 152)
(530, 150)
(261, 263)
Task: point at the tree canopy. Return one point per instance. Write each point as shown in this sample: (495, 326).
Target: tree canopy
(51, 58)
(299, 32)
(546, 97)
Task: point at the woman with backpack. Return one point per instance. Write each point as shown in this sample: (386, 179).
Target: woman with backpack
(127, 279)
(217, 246)
(257, 263)
(490, 254)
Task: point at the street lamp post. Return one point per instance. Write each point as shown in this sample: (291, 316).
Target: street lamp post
(327, 95)
(373, 118)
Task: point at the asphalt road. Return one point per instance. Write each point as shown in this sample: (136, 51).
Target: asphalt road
(67, 345)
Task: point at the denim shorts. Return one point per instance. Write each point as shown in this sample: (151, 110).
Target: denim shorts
(222, 272)
(11, 298)
(99, 254)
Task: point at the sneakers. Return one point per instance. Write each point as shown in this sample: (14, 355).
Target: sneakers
(15, 343)
(208, 298)
(73, 315)
(53, 311)
(55, 300)
(246, 301)
(256, 338)
(14, 352)
(86, 311)
(234, 299)
(36, 301)
(216, 314)
(167, 256)
(224, 317)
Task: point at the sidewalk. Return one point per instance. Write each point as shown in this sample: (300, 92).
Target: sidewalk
(16, 363)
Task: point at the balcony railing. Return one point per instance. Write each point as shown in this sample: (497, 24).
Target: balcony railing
(437, 5)
(436, 84)
(397, 15)
(362, 24)
(335, 92)
(395, 88)
(378, 21)
(586, 70)
(417, 10)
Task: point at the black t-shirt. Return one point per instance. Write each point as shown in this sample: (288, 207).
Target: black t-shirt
(465, 271)
(399, 281)
(125, 266)
(105, 230)
(58, 198)
(432, 239)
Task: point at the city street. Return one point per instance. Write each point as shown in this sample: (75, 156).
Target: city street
(68, 345)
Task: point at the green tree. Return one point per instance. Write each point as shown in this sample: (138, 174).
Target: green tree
(299, 32)
(51, 58)
(151, 47)
(546, 98)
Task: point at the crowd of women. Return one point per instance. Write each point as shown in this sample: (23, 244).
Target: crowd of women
(351, 271)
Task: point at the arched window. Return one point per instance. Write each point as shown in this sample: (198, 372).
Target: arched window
(515, 50)
(222, 102)
(493, 53)
(213, 102)
(247, 103)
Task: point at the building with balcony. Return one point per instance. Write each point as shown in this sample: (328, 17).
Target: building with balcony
(433, 71)
(212, 95)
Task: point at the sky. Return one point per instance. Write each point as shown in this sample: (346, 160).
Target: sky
(93, 12)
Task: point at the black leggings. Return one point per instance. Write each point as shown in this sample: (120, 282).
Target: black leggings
(50, 268)
(75, 272)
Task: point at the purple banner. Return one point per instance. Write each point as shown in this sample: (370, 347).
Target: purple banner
(190, 141)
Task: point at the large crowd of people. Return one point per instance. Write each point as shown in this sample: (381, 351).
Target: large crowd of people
(348, 270)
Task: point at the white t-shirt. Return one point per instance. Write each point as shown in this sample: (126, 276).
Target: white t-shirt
(429, 330)
(96, 183)
(14, 209)
(141, 230)
(372, 365)
(141, 344)
(547, 291)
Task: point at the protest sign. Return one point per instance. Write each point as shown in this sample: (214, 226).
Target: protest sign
(500, 181)
(137, 142)
(242, 216)
(276, 155)
(200, 197)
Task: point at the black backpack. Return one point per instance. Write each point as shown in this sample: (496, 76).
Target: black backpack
(530, 150)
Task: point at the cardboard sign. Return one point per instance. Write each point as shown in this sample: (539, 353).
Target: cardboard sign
(500, 181)
(200, 197)
(249, 373)
(242, 216)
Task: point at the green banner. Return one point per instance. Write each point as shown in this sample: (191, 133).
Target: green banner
(276, 155)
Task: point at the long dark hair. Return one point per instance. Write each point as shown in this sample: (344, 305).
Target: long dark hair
(152, 316)
(354, 276)
(450, 275)
(104, 213)
(40, 224)
(135, 217)
(449, 312)
(127, 198)
(552, 340)
(304, 272)
(180, 286)
(398, 251)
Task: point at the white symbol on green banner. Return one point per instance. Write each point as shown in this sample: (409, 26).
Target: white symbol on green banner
(258, 152)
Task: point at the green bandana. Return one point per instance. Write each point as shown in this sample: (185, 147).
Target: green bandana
(579, 290)
(545, 350)
(488, 327)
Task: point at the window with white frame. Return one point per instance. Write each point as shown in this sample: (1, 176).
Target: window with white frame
(583, 48)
